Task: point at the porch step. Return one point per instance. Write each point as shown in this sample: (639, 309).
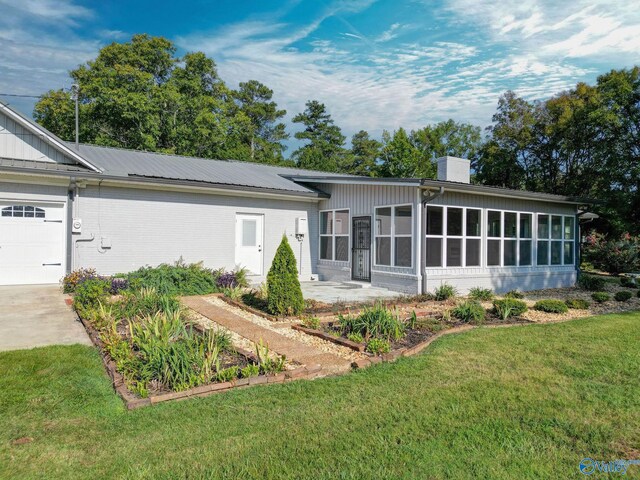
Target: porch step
(355, 284)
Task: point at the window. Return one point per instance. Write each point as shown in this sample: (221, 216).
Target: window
(453, 237)
(494, 232)
(556, 234)
(334, 235)
(509, 238)
(21, 211)
(393, 236)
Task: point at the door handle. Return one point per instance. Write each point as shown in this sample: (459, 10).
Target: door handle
(51, 264)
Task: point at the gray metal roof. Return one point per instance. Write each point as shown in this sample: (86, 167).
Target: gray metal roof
(117, 162)
(39, 165)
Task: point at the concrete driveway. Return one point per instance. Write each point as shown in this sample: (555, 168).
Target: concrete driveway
(36, 316)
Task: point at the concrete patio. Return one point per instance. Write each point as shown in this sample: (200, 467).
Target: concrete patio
(330, 292)
(37, 316)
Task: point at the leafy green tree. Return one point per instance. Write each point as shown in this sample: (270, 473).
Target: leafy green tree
(400, 157)
(365, 152)
(284, 295)
(266, 134)
(325, 148)
(448, 138)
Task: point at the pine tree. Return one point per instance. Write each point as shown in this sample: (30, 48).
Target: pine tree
(284, 296)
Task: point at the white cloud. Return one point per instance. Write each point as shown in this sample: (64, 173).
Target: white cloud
(389, 34)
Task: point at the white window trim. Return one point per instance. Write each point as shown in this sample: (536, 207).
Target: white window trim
(561, 240)
(392, 235)
(333, 235)
(463, 238)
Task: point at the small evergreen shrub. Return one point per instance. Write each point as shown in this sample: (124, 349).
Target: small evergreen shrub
(509, 307)
(445, 292)
(378, 346)
(577, 303)
(591, 283)
(284, 296)
(551, 306)
(628, 282)
(481, 294)
(470, 312)
(623, 296)
(600, 297)
(514, 294)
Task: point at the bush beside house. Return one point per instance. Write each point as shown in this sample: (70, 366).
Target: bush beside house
(284, 295)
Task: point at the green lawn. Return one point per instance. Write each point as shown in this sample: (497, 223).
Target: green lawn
(523, 402)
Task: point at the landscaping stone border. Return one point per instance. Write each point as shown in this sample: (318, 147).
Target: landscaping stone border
(345, 342)
(132, 402)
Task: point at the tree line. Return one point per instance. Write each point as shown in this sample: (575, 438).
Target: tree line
(581, 142)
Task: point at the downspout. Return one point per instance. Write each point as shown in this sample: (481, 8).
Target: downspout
(70, 199)
(423, 235)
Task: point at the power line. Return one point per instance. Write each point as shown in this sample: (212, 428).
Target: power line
(19, 95)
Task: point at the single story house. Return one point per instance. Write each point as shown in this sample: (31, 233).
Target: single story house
(64, 207)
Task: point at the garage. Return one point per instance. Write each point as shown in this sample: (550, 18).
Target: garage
(32, 242)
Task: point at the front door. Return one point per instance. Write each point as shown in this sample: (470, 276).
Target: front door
(249, 242)
(361, 249)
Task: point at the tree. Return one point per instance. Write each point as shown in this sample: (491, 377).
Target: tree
(265, 135)
(400, 157)
(284, 295)
(325, 150)
(448, 138)
(365, 152)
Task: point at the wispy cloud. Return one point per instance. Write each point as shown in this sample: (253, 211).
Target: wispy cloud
(389, 34)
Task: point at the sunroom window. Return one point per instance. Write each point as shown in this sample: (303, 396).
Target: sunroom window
(393, 236)
(555, 240)
(453, 237)
(509, 238)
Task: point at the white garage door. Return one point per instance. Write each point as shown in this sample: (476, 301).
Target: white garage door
(31, 243)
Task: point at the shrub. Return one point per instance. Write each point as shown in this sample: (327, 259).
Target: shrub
(638, 293)
(177, 279)
(374, 322)
(600, 297)
(445, 292)
(90, 292)
(470, 312)
(577, 303)
(509, 307)
(71, 280)
(628, 282)
(236, 278)
(355, 337)
(310, 321)
(234, 293)
(623, 296)
(482, 294)
(118, 285)
(378, 346)
(591, 283)
(145, 302)
(514, 294)
(614, 256)
(551, 306)
(284, 296)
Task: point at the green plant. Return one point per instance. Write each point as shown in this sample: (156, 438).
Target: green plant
(470, 312)
(412, 322)
(514, 294)
(234, 293)
(482, 294)
(144, 302)
(228, 374)
(600, 297)
(638, 293)
(71, 280)
(310, 321)
(623, 296)
(284, 296)
(374, 322)
(91, 292)
(378, 346)
(591, 283)
(551, 306)
(177, 279)
(628, 282)
(615, 256)
(577, 303)
(355, 337)
(509, 307)
(268, 364)
(445, 292)
(251, 370)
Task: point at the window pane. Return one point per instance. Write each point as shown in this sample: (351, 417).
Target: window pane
(454, 252)
(326, 223)
(39, 213)
(543, 226)
(249, 233)
(556, 253)
(403, 252)
(543, 253)
(454, 222)
(568, 228)
(473, 223)
(6, 212)
(493, 252)
(434, 220)
(473, 253)
(525, 225)
(510, 253)
(342, 222)
(342, 248)
(18, 211)
(510, 224)
(403, 220)
(28, 212)
(568, 253)
(493, 221)
(525, 252)
(434, 252)
(383, 251)
(383, 221)
(556, 227)
(326, 248)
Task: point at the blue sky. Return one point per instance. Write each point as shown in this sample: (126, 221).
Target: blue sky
(375, 64)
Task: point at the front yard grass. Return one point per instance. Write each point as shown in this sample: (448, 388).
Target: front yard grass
(522, 402)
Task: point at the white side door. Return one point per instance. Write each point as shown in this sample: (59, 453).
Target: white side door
(249, 242)
(31, 243)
